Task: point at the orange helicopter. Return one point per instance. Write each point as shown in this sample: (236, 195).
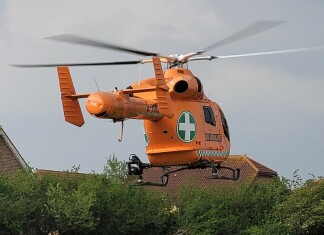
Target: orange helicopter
(183, 127)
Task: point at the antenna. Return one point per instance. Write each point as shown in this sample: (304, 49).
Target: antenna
(139, 74)
(94, 78)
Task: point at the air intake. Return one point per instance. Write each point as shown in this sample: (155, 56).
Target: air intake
(181, 86)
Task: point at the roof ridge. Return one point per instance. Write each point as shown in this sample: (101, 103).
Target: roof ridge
(13, 148)
(249, 161)
(259, 168)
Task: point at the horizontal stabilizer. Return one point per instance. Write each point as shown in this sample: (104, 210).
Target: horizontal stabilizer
(78, 96)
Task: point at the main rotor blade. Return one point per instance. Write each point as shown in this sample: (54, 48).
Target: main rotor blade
(94, 43)
(269, 52)
(253, 29)
(78, 64)
(255, 53)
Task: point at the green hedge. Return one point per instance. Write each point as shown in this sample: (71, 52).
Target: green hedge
(107, 204)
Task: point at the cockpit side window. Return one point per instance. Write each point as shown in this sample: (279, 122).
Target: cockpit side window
(199, 84)
(225, 126)
(209, 115)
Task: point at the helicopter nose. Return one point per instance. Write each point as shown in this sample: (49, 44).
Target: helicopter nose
(95, 104)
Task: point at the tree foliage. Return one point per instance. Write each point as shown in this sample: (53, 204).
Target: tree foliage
(71, 210)
(228, 212)
(303, 210)
(115, 169)
(107, 203)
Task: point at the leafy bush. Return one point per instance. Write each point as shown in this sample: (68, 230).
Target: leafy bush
(115, 169)
(71, 211)
(303, 210)
(126, 209)
(299, 212)
(73, 203)
(229, 211)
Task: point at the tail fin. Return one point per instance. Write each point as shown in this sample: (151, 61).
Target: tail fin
(71, 106)
(162, 90)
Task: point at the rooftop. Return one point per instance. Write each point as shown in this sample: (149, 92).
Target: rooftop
(10, 159)
(251, 170)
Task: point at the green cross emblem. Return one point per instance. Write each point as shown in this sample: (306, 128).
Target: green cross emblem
(186, 127)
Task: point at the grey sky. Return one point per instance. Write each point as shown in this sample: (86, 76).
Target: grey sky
(273, 103)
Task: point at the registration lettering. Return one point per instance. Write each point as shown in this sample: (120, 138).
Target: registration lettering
(213, 137)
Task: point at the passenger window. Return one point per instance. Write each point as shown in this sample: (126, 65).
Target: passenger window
(209, 115)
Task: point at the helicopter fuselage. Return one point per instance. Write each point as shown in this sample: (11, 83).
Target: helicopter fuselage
(182, 125)
(197, 131)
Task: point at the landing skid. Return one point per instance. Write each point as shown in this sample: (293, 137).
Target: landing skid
(136, 167)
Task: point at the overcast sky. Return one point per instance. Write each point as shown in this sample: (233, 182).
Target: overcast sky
(274, 104)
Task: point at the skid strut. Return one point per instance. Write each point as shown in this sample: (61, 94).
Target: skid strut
(136, 167)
